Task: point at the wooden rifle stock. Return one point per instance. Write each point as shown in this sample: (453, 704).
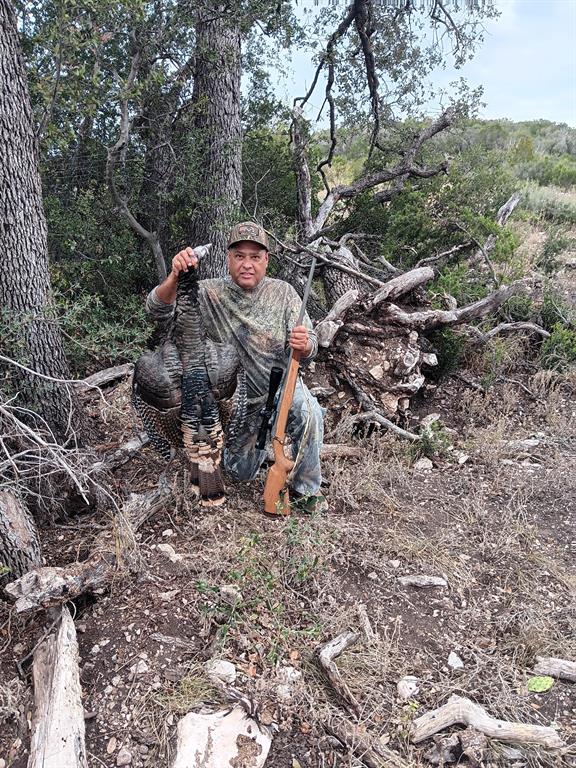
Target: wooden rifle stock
(276, 499)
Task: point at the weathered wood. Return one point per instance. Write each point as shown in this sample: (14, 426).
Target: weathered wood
(330, 325)
(43, 587)
(58, 726)
(334, 450)
(560, 668)
(421, 580)
(462, 710)
(369, 749)
(100, 378)
(507, 328)
(19, 541)
(124, 453)
(430, 319)
(223, 739)
(326, 654)
(399, 286)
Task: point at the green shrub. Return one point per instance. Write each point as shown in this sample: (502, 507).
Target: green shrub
(449, 347)
(460, 282)
(557, 241)
(559, 349)
(554, 311)
(517, 309)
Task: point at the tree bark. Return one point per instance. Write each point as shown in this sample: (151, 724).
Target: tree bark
(28, 330)
(19, 541)
(58, 726)
(216, 136)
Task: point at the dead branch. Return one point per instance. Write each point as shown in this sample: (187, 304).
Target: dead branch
(399, 286)
(369, 749)
(332, 451)
(502, 217)
(113, 551)
(466, 712)
(372, 413)
(330, 325)
(113, 155)
(101, 378)
(379, 418)
(405, 170)
(123, 454)
(560, 668)
(58, 726)
(483, 338)
(326, 654)
(436, 318)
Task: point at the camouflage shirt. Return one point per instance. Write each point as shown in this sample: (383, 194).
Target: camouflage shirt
(257, 323)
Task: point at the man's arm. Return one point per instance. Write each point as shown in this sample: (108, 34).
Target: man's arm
(183, 260)
(160, 299)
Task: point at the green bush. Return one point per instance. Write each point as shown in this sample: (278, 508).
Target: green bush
(449, 347)
(557, 241)
(458, 281)
(559, 349)
(554, 310)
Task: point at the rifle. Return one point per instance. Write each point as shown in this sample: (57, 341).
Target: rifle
(268, 411)
(277, 474)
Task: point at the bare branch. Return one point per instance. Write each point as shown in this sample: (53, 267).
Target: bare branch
(114, 153)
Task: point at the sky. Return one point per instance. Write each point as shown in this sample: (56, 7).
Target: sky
(527, 63)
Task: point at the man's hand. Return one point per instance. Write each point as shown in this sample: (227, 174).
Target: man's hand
(183, 260)
(300, 340)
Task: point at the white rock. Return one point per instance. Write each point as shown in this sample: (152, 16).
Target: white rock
(454, 661)
(211, 739)
(221, 670)
(373, 576)
(377, 372)
(140, 668)
(407, 687)
(429, 358)
(95, 649)
(124, 757)
(111, 746)
(167, 533)
(423, 464)
(394, 563)
(284, 693)
(168, 550)
(462, 458)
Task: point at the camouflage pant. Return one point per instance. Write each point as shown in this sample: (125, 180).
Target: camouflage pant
(306, 430)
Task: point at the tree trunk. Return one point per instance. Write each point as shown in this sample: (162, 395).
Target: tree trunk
(216, 137)
(19, 541)
(28, 330)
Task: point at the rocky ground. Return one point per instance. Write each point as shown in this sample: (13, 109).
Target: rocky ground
(490, 511)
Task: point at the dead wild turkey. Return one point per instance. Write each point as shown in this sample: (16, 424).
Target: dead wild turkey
(178, 401)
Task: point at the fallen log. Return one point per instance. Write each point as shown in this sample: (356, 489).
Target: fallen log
(58, 725)
(559, 668)
(19, 541)
(224, 739)
(429, 319)
(326, 654)
(112, 551)
(463, 711)
(100, 378)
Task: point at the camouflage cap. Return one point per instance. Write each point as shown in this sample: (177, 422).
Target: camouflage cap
(248, 230)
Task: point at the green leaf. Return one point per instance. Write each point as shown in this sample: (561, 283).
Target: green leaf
(540, 683)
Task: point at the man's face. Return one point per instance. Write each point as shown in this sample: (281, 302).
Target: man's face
(247, 263)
